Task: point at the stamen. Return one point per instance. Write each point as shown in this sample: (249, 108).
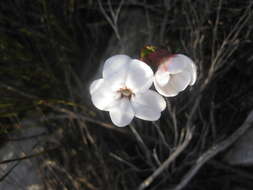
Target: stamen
(125, 92)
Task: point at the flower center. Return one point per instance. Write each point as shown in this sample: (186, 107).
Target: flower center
(125, 92)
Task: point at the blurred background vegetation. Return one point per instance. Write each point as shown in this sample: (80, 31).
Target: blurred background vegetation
(50, 51)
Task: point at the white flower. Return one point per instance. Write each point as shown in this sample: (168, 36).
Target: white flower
(124, 91)
(174, 74)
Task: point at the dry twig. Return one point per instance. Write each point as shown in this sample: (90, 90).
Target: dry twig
(166, 163)
(214, 150)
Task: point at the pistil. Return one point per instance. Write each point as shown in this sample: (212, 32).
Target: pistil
(126, 92)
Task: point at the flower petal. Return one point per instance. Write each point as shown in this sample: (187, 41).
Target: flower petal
(174, 64)
(167, 90)
(177, 83)
(194, 74)
(148, 105)
(101, 95)
(139, 76)
(180, 81)
(95, 85)
(115, 70)
(162, 77)
(182, 73)
(190, 67)
(122, 114)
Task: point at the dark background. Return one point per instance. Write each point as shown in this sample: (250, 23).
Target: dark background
(51, 50)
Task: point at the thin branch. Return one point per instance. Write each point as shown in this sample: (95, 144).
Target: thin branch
(70, 113)
(160, 133)
(125, 162)
(163, 27)
(9, 171)
(10, 88)
(109, 20)
(173, 116)
(118, 11)
(231, 37)
(111, 9)
(143, 145)
(216, 26)
(28, 157)
(167, 162)
(214, 150)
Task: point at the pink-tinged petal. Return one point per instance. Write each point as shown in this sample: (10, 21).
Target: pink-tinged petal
(115, 70)
(148, 105)
(122, 114)
(139, 76)
(176, 83)
(174, 64)
(101, 95)
(182, 73)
